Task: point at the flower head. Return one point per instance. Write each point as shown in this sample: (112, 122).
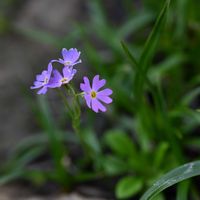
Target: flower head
(93, 96)
(42, 80)
(70, 57)
(57, 80)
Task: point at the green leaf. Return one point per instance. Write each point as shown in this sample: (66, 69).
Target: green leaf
(152, 40)
(112, 165)
(15, 168)
(157, 72)
(134, 24)
(6, 178)
(135, 66)
(160, 153)
(129, 54)
(100, 24)
(56, 146)
(193, 142)
(92, 142)
(19, 161)
(173, 177)
(148, 51)
(39, 36)
(181, 20)
(187, 99)
(128, 186)
(38, 177)
(38, 140)
(48, 124)
(182, 191)
(159, 197)
(120, 143)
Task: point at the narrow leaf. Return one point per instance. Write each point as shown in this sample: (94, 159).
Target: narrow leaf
(129, 54)
(171, 178)
(182, 191)
(128, 186)
(152, 40)
(135, 23)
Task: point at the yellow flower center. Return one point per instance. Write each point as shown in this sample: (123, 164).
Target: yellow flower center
(93, 94)
(64, 80)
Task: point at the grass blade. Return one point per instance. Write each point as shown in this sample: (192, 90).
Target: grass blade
(182, 190)
(149, 50)
(152, 40)
(129, 54)
(173, 177)
(134, 24)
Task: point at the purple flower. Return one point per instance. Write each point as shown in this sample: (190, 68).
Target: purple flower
(57, 80)
(70, 57)
(93, 96)
(42, 80)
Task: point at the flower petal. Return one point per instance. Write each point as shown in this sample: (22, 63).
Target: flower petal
(85, 87)
(71, 55)
(37, 84)
(35, 87)
(53, 83)
(69, 72)
(50, 67)
(56, 75)
(88, 100)
(97, 84)
(44, 73)
(40, 77)
(104, 99)
(43, 90)
(64, 53)
(79, 61)
(105, 92)
(96, 106)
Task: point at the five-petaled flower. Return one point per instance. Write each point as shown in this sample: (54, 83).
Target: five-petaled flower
(70, 57)
(93, 96)
(57, 80)
(42, 80)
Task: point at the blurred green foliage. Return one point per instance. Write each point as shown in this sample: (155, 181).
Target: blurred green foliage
(151, 62)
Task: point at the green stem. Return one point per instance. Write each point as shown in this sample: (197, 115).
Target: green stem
(76, 113)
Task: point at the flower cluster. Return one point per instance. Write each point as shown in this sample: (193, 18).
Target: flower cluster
(52, 78)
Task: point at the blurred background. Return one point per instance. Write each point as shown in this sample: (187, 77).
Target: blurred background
(32, 32)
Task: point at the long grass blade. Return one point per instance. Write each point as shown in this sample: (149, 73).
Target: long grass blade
(129, 54)
(173, 177)
(153, 38)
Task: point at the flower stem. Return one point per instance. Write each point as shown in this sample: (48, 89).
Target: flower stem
(76, 113)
